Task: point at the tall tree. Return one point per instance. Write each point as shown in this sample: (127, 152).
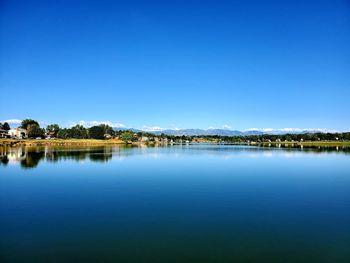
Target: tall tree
(6, 126)
(26, 122)
(34, 130)
(96, 132)
(127, 136)
(53, 129)
(62, 133)
(107, 129)
(77, 132)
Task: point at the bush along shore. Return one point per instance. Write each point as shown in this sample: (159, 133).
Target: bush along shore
(59, 142)
(111, 142)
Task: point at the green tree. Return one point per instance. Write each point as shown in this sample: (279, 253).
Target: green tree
(62, 134)
(26, 122)
(127, 136)
(77, 132)
(34, 130)
(107, 129)
(97, 132)
(53, 129)
(6, 126)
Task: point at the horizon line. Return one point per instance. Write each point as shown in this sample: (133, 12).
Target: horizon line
(87, 124)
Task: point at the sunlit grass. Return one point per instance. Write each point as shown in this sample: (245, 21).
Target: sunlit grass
(73, 142)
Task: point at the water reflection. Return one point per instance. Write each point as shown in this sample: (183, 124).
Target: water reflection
(309, 148)
(195, 203)
(30, 157)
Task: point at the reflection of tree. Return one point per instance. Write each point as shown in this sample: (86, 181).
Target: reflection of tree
(101, 155)
(32, 159)
(29, 157)
(56, 155)
(3, 155)
(4, 160)
(8, 154)
(309, 148)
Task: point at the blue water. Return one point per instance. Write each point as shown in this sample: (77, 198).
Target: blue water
(174, 204)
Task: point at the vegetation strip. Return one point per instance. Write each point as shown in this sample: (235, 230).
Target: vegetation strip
(30, 133)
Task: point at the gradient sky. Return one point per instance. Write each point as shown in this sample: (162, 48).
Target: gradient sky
(185, 64)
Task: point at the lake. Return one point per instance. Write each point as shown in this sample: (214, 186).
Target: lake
(196, 203)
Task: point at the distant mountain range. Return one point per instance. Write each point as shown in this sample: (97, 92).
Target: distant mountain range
(226, 132)
(221, 132)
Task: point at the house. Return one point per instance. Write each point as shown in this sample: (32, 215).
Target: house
(50, 135)
(18, 133)
(107, 136)
(3, 133)
(144, 139)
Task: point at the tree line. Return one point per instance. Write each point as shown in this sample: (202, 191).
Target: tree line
(76, 132)
(344, 136)
(104, 131)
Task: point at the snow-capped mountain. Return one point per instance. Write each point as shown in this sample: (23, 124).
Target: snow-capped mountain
(226, 132)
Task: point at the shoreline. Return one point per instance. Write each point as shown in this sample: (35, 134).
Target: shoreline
(60, 142)
(308, 143)
(95, 142)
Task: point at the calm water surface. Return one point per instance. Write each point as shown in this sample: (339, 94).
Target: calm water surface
(174, 204)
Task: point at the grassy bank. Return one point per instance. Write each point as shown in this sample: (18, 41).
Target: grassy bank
(311, 143)
(93, 142)
(59, 142)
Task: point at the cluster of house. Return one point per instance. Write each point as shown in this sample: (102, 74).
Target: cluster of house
(16, 133)
(161, 140)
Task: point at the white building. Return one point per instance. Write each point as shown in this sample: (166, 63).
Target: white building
(18, 133)
(144, 139)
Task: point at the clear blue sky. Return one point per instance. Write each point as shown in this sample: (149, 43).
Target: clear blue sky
(177, 63)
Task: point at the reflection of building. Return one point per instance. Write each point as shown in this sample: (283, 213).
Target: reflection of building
(29, 157)
(18, 133)
(16, 154)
